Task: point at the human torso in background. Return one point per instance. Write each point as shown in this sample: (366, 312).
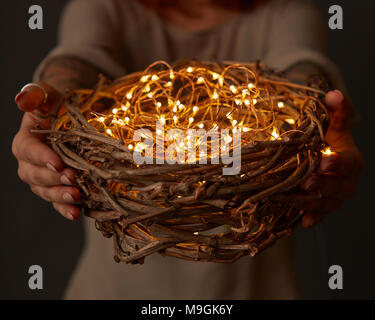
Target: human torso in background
(121, 36)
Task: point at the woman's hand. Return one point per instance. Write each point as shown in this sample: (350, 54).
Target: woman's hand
(38, 165)
(336, 179)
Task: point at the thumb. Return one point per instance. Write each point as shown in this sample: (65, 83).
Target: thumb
(339, 108)
(39, 98)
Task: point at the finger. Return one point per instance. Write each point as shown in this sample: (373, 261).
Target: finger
(335, 187)
(42, 176)
(310, 184)
(61, 194)
(326, 185)
(307, 202)
(345, 163)
(68, 211)
(310, 219)
(314, 201)
(340, 108)
(37, 97)
(30, 147)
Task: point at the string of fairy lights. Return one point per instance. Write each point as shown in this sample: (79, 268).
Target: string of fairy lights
(197, 97)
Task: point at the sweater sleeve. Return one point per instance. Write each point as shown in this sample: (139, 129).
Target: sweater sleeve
(297, 34)
(88, 32)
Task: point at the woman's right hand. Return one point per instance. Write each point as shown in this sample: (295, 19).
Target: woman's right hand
(38, 165)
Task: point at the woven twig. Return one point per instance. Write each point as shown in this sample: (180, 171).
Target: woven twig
(174, 209)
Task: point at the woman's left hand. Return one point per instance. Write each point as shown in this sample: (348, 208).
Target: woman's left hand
(337, 177)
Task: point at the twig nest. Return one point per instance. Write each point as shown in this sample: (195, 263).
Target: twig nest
(198, 161)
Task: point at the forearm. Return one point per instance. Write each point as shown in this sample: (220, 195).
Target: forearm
(68, 73)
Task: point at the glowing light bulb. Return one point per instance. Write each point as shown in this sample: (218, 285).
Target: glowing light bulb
(139, 147)
(245, 129)
(168, 84)
(201, 125)
(101, 119)
(290, 121)
(147, 89)
(109, 131)
(171, 75)
(251, 86)
(175, 119)
(180, 107)
(195, 109)
(130, 147)
(127, 119)
(154, 77)
(162, 119)
(145, 78)
(175, 109)
(125, 107)
(234, 122)
(150, 95)
(215, 95)
(255, 101)
(215, 76)
(233, 89)
(189, 69)
(129, 95)
(158, 104)
(327, 151)
(200, 80)
(191, 120)
(247, 102)
(275, 134)
(281, 104)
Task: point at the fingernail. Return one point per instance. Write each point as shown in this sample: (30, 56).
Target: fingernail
(339, 94)
(308, 222)
(51, 167)
(65, 180)
(68, 197)
(327, 165)
(311, 184)
(19, 97)
(70, 216)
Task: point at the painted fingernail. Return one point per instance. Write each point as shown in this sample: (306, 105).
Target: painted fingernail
(339, 94)
(19, 97)
(65, 180)
(68, 197)
(70, 216)
(51, 167)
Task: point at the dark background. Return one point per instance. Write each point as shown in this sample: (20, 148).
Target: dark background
(32, 233)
